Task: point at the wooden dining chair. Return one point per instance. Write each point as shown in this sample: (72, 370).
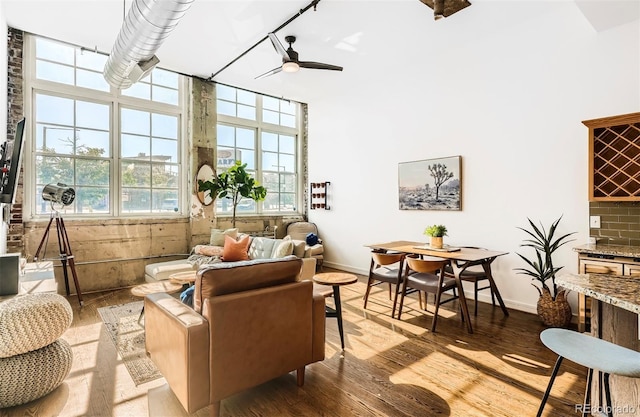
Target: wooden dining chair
(474, 274)
(427, 275)
(385, 268)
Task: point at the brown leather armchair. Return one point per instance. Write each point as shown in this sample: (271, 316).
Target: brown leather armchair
(251, 322)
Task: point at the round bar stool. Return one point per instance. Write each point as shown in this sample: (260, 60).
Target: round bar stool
(594, 354)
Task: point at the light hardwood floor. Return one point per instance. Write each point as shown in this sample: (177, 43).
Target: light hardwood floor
(389, 368)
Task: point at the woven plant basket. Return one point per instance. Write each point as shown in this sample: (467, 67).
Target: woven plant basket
(554, 313)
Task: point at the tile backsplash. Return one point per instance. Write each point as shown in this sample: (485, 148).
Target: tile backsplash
(619, 222)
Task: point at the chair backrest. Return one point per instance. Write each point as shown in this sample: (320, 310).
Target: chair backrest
(300, 230)
(386, 258)
(428, 266)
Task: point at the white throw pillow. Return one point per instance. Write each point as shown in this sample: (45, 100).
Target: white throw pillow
(284, 248)
(217, 236)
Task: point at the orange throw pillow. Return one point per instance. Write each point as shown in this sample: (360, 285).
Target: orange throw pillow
(235, 250)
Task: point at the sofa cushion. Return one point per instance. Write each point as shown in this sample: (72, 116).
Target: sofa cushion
(235, 250)
(282, 249)
(231, 277)
(217, 236)
(162, 270)
(262, 247)
(208, 250)
(299, 246)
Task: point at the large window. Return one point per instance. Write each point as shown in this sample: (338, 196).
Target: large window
(120, 150)
(264, 133)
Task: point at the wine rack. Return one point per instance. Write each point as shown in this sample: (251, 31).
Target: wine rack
(320, 196)
(614, 158)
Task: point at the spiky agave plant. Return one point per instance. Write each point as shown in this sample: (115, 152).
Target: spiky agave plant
(541, 268)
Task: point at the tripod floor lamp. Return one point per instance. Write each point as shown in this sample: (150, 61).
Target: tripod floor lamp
(63, 195)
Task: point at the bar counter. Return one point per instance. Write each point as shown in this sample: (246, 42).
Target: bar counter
(618, 290)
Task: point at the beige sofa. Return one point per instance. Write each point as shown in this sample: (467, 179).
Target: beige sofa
(251, 322)
(260, 248)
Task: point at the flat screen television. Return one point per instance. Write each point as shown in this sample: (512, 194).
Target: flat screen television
(10, 159)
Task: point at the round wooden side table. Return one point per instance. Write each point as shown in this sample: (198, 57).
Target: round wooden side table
(154, 287)
(335, 280)
(188, 277)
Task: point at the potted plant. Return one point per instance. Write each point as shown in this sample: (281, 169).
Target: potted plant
(436, 233)
(553, 307)
(235, 184)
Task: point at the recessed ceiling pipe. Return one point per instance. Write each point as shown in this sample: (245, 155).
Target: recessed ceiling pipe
(146, 26)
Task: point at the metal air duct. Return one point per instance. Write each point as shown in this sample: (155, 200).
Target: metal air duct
(146, 26)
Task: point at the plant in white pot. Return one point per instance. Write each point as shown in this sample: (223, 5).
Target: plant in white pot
(553, 307)
(436, 232)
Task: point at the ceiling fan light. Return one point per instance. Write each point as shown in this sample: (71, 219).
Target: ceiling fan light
(290, 66)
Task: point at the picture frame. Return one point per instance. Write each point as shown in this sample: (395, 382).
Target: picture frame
(430, 184)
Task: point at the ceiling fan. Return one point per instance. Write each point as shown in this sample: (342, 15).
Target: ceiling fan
(290, 62)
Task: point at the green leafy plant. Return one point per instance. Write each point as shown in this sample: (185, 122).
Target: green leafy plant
(541, 268)
(235, 184)
(436, 230)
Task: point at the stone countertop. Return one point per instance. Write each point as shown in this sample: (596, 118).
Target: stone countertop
(614, 250)
(618, 290)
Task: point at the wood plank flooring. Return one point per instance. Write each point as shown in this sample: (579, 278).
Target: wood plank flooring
(389, 368)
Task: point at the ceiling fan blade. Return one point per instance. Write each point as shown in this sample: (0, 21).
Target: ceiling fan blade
(278, 46)
(268, 73)
(319, 65)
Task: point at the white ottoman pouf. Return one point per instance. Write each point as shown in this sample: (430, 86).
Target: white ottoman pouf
(33, 360)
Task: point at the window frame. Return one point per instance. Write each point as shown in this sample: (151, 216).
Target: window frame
(115, 100)
(259, 126)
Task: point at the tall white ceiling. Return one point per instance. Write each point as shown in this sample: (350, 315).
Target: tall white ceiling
(372, 40)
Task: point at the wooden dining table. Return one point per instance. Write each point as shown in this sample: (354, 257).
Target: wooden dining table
(461, 258)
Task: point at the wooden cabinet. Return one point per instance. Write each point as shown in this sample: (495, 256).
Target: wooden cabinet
(601, 264)
(614, 158)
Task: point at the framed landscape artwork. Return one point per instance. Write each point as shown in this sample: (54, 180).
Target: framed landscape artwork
(430, 184)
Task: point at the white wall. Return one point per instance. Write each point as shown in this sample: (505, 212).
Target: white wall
(510, 101)
(4, 227)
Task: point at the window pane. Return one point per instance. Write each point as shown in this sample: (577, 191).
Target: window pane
(270, 182)
(246, 97)
(90, 79)
(287, 183)
(54, 51)
(166, 201)
(288, 107)
(136, 173)
(56, 110)
(287, 163)
(226, 135)
(269, 142)
(135, 121)
(270, 161)
(245, 138)
(92, 172)
(164, 150)
(164, 126)
(54, 169)
(136, 200)
(246, 112)
(91, 60)
(54, 139)
(92, 143)
(247, 157)
(135, 147)
(54, 72)
(226, 108)
(138, 90)
(226, 158)
(225, 92)
(287, 120)
(271, 117)
(164, 77)
(165, 176)
(92, 115)
(165, 95)
(246, 205)
(92, 200)
(270, 103)
(287, 144)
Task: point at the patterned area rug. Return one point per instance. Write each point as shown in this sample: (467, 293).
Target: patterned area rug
(127, 334)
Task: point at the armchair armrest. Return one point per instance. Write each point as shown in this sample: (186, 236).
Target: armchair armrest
(308, 269)
(177, 340)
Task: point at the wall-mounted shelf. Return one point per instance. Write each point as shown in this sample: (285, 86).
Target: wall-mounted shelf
(614, 158)
(319, 196)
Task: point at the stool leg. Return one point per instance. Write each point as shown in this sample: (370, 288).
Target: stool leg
(587, 394)
(553, 377)
(336, 299)
(607, 394)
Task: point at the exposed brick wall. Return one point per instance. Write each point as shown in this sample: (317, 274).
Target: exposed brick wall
(15, 112)
(619, 222)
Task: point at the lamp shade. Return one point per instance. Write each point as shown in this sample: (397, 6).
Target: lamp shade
(290, 66)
